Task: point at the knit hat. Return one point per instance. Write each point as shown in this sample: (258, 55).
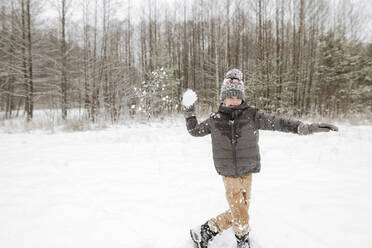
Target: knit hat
(233, 85)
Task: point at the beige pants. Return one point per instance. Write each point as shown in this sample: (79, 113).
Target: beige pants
(238, 192)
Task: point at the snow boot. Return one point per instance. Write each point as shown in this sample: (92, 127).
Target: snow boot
(201, 235)
(243, 242)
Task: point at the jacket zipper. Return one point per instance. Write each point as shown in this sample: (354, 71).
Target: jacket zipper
(233, 143)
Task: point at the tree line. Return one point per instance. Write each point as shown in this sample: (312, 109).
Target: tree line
(118, 59)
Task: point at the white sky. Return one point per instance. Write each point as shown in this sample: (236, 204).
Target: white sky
(140, 7)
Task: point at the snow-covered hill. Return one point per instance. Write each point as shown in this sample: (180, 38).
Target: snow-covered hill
(144, 186)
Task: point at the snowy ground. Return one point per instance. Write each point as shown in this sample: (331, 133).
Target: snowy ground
(145, 185)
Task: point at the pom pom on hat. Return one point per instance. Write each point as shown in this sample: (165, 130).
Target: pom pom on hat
(234, 74)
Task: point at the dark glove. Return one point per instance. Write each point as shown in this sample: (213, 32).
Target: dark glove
(188, 111)
(305, 129)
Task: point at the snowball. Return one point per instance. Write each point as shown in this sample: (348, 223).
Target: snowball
(189, 98)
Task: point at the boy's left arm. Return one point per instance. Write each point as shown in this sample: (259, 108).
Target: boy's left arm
(275, 123)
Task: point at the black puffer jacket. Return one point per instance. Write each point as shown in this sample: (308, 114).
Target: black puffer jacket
(235, 136)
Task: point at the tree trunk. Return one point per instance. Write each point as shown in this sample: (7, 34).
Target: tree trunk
(64, 64)
(95, 89)
(301, 48)
(185, 52)
(227, 44)
(30, 82)
(277, 56)
(24, 62)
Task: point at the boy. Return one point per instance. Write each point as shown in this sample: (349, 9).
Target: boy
(234, 129)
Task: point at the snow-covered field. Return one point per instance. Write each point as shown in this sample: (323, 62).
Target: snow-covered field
(144, 186)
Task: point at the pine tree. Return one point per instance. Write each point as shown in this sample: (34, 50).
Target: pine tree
(332, 73)
(159, 93)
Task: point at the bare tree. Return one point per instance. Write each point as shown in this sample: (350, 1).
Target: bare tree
(282, 47)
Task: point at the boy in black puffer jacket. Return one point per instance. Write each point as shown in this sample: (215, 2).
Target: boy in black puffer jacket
(234, 130)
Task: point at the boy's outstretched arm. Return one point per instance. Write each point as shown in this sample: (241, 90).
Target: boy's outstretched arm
(195, 129)
(272, 122)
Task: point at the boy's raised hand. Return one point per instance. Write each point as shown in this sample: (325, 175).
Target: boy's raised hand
(189, 97)
(305, 129)
(188, 111)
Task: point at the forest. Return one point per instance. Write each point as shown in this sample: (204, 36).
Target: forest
(115, 60)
